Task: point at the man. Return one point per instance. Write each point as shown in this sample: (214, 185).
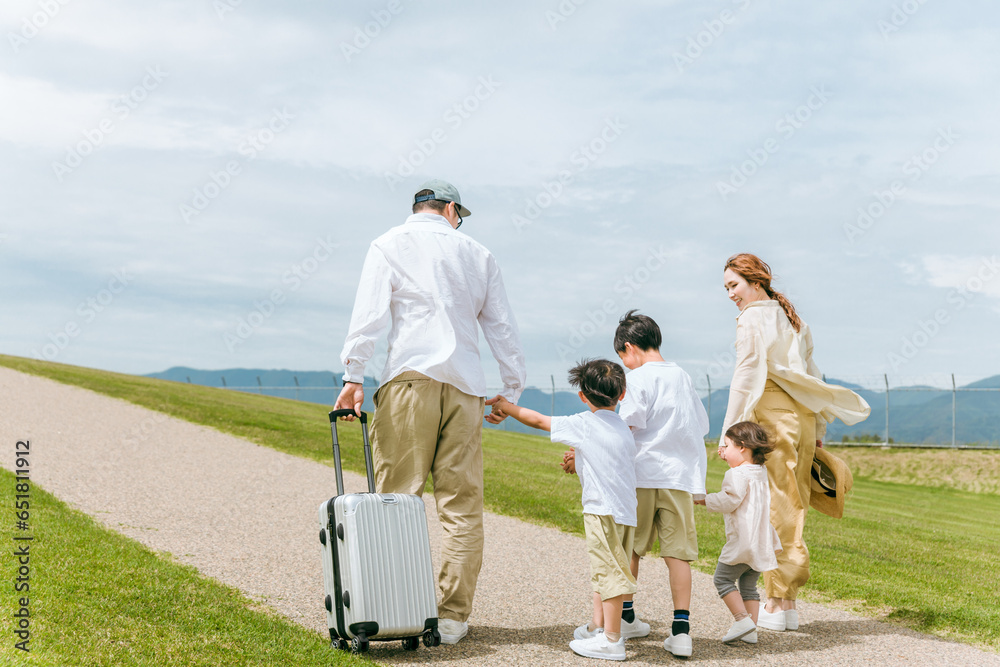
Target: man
(429, 285)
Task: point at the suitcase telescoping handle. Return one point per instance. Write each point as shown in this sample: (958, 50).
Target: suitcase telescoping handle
(336, 449)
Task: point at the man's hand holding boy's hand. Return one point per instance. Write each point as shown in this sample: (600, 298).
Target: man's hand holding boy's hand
(497, 414)
(569, 462)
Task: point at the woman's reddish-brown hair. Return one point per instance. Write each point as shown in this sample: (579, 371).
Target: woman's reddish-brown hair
(755, 270)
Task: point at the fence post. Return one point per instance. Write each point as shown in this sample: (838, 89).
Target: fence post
(260, 387)
(886, 376)
(296, 387)
(552, 412)
(954, 391)
(709, 378)
(224, 385)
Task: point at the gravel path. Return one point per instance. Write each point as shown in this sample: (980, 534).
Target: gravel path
(246, 515)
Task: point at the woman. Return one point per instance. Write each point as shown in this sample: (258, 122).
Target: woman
(777, 385)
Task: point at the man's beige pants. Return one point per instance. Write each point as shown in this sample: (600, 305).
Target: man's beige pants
(792, 430)
(422, 426)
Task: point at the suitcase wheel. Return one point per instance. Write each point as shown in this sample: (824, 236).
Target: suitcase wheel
(359, 644)
(411, 643)
(432, 638)
(340, 644)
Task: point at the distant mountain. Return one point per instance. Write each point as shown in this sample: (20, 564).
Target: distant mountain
(917, 414)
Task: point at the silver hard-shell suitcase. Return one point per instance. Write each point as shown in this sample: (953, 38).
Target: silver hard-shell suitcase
(377, 568)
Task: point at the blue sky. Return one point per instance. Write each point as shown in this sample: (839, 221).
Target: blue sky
(196, 183)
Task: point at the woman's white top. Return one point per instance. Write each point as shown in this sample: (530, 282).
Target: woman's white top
(746, 502)
(767, 347)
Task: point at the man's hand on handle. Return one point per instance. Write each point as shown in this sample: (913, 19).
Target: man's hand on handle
(351, 397)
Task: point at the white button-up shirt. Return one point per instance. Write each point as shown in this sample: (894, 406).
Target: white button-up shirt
(429, 285)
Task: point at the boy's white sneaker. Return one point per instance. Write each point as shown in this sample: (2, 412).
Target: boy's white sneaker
(634, 629)
(678, 645)
(452, 631)
(791, 619)
(739, 629)
(772, 620)
(750, 638)
(584, 632)
(599, 647)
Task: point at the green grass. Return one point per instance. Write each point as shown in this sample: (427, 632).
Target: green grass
(920, 556)
(99, 598)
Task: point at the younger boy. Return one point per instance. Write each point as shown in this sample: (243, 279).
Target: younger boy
(669, 424)
(606, 465)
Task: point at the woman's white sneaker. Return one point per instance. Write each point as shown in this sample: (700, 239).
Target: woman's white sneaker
(771, 620)
(791, 619)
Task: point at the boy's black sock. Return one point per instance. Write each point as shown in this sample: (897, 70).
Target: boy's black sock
(628, 614)
(680, 626)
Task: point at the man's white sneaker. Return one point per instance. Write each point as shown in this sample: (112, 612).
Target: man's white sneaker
(678, 645)
(739, 629)
(452, 631)
(791, 619)
(750, 638)
(771, 620)
(634, 629)
(599, 647)
(584, 632)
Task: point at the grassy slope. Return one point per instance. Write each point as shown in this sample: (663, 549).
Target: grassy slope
(98, 598)
(932, 551)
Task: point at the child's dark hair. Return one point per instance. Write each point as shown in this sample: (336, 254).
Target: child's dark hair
(753, 437)
(640, 330)
(601, 381)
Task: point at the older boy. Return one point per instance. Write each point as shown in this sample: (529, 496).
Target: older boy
(606, 464)
(669, 423)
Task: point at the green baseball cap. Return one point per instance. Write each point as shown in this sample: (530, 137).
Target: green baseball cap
(443, 191)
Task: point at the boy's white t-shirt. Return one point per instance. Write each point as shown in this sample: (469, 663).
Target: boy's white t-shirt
(669, 424)
(605, 462)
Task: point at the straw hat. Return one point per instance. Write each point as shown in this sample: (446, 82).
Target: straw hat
(831, 480)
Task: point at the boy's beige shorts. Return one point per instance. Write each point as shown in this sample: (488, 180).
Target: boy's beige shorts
(669, 515)
(609, 546)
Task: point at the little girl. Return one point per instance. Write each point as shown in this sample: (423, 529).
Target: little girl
(751, 541)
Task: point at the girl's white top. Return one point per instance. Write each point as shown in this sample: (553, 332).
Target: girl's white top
(669, 424)
(767, 347)
(746, 502)
(605, 462)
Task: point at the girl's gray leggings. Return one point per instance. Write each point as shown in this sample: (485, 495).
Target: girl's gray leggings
(726, 577)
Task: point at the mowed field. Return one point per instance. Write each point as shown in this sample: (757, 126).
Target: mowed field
(917, 545)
